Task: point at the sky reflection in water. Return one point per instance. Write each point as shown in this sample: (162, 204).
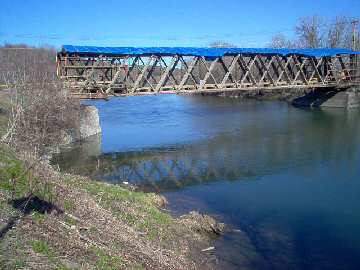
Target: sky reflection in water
(289, 178)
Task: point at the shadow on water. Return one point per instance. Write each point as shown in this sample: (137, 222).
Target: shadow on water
(286, 177)
(315, 98)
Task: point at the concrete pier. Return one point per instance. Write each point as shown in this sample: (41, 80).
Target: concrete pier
(89, 125)
(334, 98)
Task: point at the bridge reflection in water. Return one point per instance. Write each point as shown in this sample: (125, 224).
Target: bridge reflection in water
(286, 177)
(243, 154)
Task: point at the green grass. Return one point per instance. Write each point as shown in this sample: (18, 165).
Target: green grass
(43, 248)
(45, 190)
(146, 217)
(3, 86)
(63, 267)
(3, 124)
(69, 205)
(14, 178)
(106, 261)
(11, 168)
(136, 267)
(7, 211)
(70, 221)
(5, 104)
(143, 213)
(19, 263)
(38, 216)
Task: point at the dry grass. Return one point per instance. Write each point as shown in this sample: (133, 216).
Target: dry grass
(4, 108)
(98, 226)
(90, 225)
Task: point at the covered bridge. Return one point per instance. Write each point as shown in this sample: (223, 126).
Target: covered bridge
(89, 70)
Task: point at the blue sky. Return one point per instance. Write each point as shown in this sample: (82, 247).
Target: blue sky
(248, 23)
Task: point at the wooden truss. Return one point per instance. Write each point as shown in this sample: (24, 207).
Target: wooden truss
(131, 75)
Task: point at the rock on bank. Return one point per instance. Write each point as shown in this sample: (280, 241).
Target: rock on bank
(88, 125)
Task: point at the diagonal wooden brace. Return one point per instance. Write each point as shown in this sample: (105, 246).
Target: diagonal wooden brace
(189, 70)
(229, 70)
(209, 71)
(166, 74)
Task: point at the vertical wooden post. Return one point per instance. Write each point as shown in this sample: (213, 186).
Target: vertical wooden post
(326, 69)
(66, 64)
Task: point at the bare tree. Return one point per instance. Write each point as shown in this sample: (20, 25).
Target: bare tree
(338, 33)
(40, 108)
(280, 41)
(309, 32)
(40, 111)
(316, 32)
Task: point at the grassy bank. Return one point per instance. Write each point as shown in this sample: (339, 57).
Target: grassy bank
(51, 220)
(4, 108)
(72, 222)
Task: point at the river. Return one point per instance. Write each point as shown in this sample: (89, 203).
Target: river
(286, 178)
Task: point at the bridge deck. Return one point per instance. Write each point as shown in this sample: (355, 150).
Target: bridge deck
(92, 71)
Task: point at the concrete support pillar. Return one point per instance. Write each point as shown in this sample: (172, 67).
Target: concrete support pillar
(334, 98)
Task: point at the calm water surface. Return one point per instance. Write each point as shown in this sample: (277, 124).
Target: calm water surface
(287, 178)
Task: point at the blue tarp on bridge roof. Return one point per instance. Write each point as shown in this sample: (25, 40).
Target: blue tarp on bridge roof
(192, 51)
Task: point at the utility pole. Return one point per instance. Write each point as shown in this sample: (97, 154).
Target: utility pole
(354, 58)
(354, 24)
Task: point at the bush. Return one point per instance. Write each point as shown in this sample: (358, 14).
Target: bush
(40, 108)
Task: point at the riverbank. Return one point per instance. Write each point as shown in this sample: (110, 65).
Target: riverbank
(4, 110)
(77, 223)
(72, 222)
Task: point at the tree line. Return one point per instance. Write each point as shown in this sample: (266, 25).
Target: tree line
(313, 32)
(317, 32)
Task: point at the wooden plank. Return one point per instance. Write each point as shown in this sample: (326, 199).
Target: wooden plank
(132, 67)
(157, 58)
(248, 67)
(316, 69)
(165, 75)
(141, 75)
(259, 68)
(89, 76)
(344, 69)
(300, 71)
(117, 74)
(284, 69)
(243, 70)
(150, 73)
(189, 70)
(209, 70)
(228, 71)
(275, 69)
(266, 70)
(171, 70)
(329, 70)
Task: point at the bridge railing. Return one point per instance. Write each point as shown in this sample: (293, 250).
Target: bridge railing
(150, 74)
